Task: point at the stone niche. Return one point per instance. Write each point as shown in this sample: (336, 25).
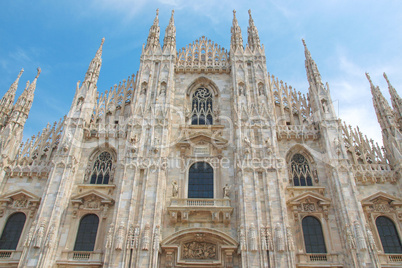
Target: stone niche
(198, 247)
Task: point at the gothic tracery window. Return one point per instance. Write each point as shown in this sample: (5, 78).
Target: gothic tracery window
(102, 168)
(201, 181)
(313, 235)
(12, 231)
(300, 171)
(86, 235)
(201, 107)
(389, 236)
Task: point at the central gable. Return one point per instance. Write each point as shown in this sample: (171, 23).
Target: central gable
(202, 56)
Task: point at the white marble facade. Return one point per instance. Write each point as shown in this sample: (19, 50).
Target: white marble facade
(125, 160)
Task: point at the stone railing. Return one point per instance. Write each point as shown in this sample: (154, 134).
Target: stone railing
(215, 210)
(10, 258)
(395, 259)
(77, 258)
(6, 254)
(309, 258)
(297, 132)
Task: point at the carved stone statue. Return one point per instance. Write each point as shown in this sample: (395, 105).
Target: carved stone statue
(156, 238)
(263, 236)
(350, 238)
(253, 238)
(361, 244)
(280, 245)
(371, 241)
(291, 244)
(226, 191)
(146, 238)
(136, 236)
(175, 189)
(120, 237)
(109, 238)
(30, 235)
(270, 243)
(242, 238)
(40, 235)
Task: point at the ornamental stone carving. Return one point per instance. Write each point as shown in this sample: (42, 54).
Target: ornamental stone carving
(199, 251)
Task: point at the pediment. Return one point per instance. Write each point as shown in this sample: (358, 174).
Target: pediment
(19, 195)
(381, 198)
(92, 196)
(200, 234)
(203, 136)
(310, 197)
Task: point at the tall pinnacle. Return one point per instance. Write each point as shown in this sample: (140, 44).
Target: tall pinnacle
(381, 106)
(313, 74)
(7, 102)
(32, 87)
(153, 37)
(237, 39)
(253, 38)
(169, 41)
(396, 103)
(92, 74)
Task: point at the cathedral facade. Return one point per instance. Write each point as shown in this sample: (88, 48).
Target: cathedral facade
(202, 159)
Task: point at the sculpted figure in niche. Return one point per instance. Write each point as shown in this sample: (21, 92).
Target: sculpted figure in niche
(143, 89)
(241, 90)
(261, 90)
(175, 189)
(163, 89)
(226, 191)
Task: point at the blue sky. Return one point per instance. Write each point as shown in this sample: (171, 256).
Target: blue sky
(346, 39)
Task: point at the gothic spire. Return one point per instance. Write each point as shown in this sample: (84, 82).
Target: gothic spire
(153, 37)
(169, 41)
(92, 74)
(7, 102)
(313, 74)
(383, 110)
(396, 103)
(237, 39)
(253, 38)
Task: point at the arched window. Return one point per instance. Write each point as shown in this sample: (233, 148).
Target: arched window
(201, 107)
(201, 181)
(101, 169)
(313, 236)
(389, 236)
(12, 231)
(300, 171)
(86, 234)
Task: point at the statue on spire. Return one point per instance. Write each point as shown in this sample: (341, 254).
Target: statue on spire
(237, 39)
(169, 41)
(253, 38)
(153, 36)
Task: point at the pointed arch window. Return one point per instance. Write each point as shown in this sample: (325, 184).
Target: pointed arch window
(300, 171)
(12, 231)
(102, 169)
(389, 236)
(201, 107)
(86, 235)
(201, 181)
(313, 236)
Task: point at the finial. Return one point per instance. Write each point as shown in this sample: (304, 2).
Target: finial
(103, 41)
(369, 78)
(234, 12)
(19, 75)
(249, 12)
(157, 11)
(39, 71)
(304, 43)
(386, 78)
(27, 84)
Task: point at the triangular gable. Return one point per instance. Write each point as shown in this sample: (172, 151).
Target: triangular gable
(203, 136)
(17, 195)
(93, 194)
(320, 199)
(381, 197)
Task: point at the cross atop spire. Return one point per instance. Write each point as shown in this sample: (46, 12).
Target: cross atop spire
(237, 39)
(153, 36)
(169, 41)
(253, 38)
